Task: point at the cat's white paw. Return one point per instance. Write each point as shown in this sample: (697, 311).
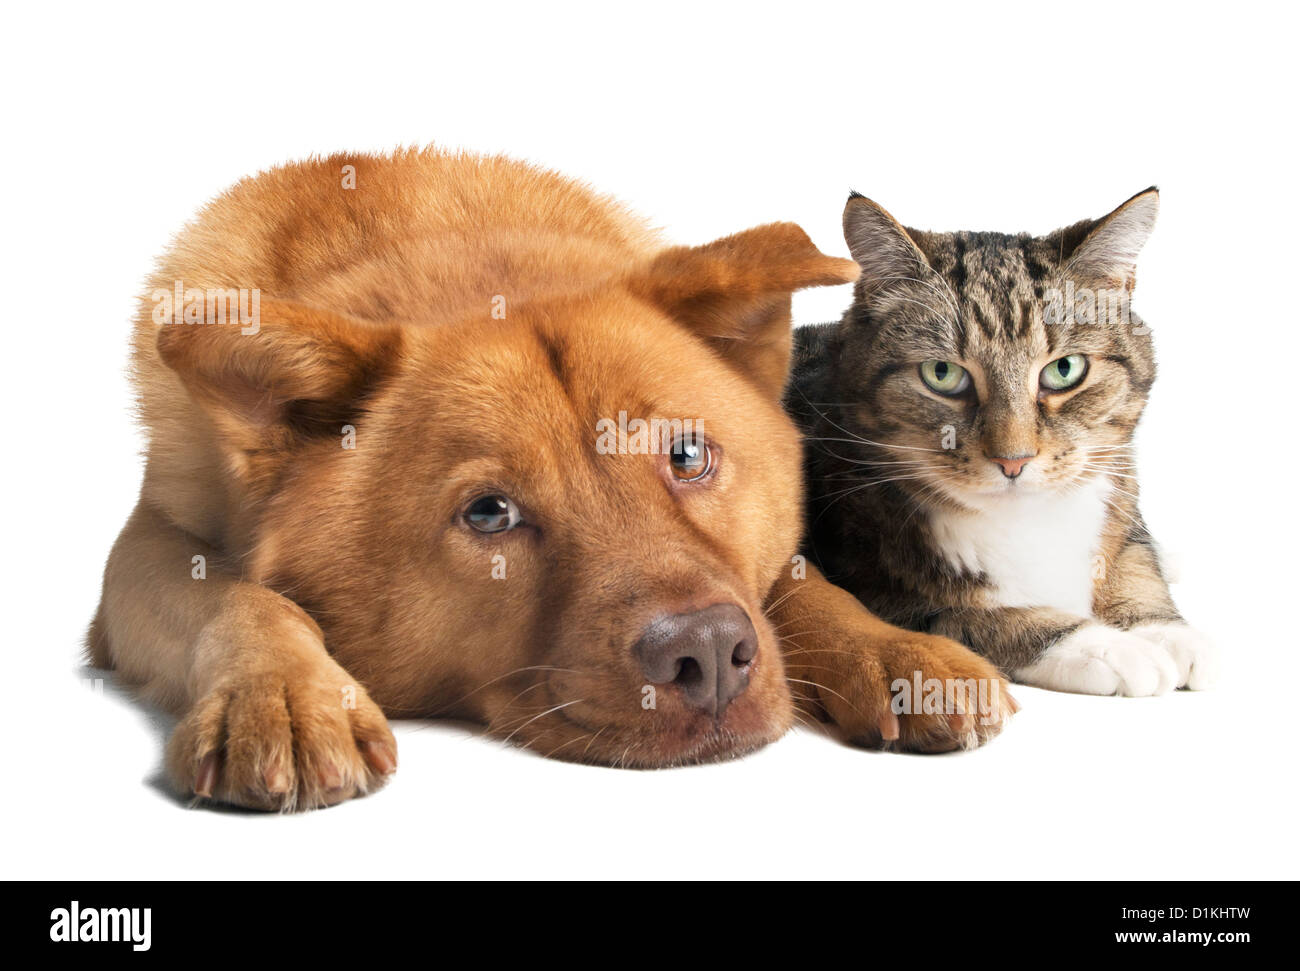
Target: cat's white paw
(1195, 654)
(1098, 660)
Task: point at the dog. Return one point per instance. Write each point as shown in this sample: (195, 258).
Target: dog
(407, 475)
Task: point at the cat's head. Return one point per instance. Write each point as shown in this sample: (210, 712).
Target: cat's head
(990, 366)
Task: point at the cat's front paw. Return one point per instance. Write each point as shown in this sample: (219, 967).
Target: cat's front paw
(1099, 660)
(1195, 654)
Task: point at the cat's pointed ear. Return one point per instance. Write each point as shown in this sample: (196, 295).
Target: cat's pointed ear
(880, 244)
(1108, 254)
(735, 293)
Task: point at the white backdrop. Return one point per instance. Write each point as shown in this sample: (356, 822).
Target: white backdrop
(709, 119)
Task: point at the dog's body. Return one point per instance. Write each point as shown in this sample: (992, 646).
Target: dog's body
(448, 332)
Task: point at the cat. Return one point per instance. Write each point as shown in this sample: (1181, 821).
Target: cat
(969, 449)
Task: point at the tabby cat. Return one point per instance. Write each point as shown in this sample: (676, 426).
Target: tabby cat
(969, 449)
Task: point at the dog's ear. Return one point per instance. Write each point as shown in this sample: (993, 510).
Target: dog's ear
(300, 373)
(735, 293)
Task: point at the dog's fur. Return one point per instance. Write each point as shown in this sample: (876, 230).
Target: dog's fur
(328, 568)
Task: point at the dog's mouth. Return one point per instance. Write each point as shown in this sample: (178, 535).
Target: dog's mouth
(692, 742)
(700, 681)
(585, 718)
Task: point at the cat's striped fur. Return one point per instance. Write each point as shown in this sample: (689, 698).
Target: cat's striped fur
(1004, 516)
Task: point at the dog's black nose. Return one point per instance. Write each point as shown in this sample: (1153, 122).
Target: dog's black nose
(708, 654)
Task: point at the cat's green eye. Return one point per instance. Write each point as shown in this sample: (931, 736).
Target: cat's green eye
(1064, 373)
(944, 377)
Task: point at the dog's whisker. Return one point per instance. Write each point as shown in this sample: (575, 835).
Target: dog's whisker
(557, 748)
(587, 748)
(825, 688)
(782, 599)
(542, 715)
(508, 674)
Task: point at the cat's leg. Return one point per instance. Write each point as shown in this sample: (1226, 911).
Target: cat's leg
(845, 663)
(1055, 649)
(1134, 596)
(268, 718)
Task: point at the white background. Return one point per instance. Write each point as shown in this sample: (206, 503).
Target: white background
(118, 125)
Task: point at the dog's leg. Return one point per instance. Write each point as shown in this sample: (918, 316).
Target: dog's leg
(882, 685)
(269, 719)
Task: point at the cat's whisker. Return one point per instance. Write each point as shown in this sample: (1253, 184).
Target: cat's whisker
(1105, 471)
(947, 297)
(927, 490)
(864, 468)
(860, 473)
(1116, 507)
(1126, 494)
(915, 463)
(1112, 472)
(945, 294)
(857, 440)
(872, 483)
(953, 321)
(853, 461)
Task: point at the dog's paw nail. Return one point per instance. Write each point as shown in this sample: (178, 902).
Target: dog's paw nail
(380, 756)
(330, 777)
(205, 780)
(889, 728)
(277, 780)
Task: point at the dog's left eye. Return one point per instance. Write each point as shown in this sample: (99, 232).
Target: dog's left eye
(690, 458)
(492, 514)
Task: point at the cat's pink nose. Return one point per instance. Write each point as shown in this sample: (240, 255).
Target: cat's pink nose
(1011, 465)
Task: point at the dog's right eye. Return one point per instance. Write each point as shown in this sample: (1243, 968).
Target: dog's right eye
(492, 514)
(690, 458)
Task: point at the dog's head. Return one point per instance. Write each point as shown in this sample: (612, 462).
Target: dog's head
(563, 523)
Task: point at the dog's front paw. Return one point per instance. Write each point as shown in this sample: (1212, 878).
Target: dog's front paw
(1099, 660)
(283, 741)
(919, 693)
(1196, 656)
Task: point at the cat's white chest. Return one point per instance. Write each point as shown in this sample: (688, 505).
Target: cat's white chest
(1035, 550)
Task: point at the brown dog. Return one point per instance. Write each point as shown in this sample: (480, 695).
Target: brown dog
(396, 470)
